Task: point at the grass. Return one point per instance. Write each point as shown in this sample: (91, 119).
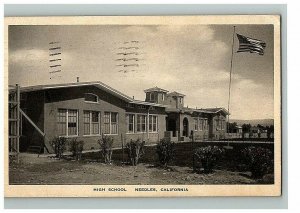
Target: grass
(92, 170)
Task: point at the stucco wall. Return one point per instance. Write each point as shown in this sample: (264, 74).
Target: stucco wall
(74, 99)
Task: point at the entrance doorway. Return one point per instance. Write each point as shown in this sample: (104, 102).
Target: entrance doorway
(185, 131)
(172, 126)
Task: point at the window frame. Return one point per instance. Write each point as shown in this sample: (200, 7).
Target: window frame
(201, 124)
(152, 123)
(88, 93)
(67, 123)
(137, 122)
(196, 123)
(223, 122)
(117, 123)
(206, 124)
(127, 123)
(218, 126)
(110, 123)
(91, 122)
(152, 96)
(180, 100)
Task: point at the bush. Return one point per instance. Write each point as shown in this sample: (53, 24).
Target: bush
(76, 147)
(135, 150)
(59, 146)
(207, 158)
(259, 161)
(165, 150)
(106, 144)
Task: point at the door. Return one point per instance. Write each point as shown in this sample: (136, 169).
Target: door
(172, 126)
(185, 131)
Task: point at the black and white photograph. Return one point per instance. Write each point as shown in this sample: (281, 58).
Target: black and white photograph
(143, 106)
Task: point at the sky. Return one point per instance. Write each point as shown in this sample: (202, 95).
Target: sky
(190, 59)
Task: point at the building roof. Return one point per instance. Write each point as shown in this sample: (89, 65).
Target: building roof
(156, 89)
(176, 94)
(217, 109)
(98, 84)
(147, 103)
(191, 110)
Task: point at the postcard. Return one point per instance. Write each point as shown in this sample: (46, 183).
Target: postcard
(142, 106)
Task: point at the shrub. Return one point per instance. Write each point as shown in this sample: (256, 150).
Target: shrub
(206, 157)
(106, 144)
(259, 160)
(59, 146)
(135, 150)
(165, 151)
(76, 147)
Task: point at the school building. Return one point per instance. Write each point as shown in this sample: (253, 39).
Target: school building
(86, 110)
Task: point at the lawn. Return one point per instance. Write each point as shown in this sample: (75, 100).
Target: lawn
(91, 170)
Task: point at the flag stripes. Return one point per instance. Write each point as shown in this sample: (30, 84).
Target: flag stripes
(251, 45)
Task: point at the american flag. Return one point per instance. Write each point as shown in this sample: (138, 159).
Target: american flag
(250, 45)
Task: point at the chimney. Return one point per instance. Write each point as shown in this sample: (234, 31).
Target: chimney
(132, 97)
(77, 79)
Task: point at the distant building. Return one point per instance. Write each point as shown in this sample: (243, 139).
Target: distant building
(87, 110)
(257, 132)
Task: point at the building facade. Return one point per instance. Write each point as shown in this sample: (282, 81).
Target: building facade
(87, 110)
(183, 123)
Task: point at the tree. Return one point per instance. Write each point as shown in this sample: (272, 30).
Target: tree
(246, 129)
(231, 127)
(106, 144)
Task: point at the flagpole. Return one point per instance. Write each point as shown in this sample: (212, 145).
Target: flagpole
(230, 74)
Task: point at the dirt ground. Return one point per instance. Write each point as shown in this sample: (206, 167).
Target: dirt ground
(45, 170)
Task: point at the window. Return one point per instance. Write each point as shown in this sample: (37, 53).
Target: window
(114, 122)
(201, 124)
(141, 107)
(106, 122)
(218, 124)
(72, 122)
(180, 100)
(141, 123)
(222, 124)
(130, 123)
(62, 121)
(163, 96)
(91, 121)
(129, 105)
(151, 96)
(111, 123)
(205, 124)
(152, 123)
(89, 97)
(67, 122)
(195, 124)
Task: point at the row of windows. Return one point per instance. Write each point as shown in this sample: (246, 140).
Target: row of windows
(130, 105)
(200, 124)
(152, 96)
(220, 124)
(67, 122)
(138, 123)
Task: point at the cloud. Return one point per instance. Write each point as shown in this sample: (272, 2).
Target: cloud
(188, 59)
(29, 56)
